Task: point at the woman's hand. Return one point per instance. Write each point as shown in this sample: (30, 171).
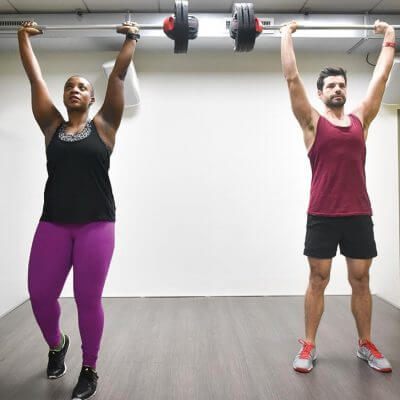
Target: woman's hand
(30, 28)
(128, 27)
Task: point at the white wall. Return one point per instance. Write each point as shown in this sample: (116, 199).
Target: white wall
(210, 176)
(383, 174)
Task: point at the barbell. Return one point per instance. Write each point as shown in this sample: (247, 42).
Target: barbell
(180, 27)
(245, 27)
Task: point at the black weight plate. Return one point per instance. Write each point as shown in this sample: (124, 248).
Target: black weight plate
(233, 26)
(246, 28)
(252, 27)
(181, 29)
(243, 27)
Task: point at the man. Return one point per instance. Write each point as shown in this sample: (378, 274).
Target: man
(339, 211)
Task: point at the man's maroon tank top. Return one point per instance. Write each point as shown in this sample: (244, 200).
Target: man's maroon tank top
(337, 157)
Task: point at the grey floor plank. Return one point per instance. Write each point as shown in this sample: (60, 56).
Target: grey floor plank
(205, 348)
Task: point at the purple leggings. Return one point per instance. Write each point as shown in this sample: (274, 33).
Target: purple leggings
(55, 248)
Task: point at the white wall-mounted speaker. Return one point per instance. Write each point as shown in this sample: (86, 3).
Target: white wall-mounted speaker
(131, 84)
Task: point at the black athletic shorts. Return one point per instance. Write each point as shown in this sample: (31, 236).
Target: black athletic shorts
(353, 234)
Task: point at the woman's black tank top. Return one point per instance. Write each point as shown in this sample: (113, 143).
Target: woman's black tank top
(78, 189)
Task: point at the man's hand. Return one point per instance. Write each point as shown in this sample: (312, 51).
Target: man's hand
(290, 27)
(380, 27)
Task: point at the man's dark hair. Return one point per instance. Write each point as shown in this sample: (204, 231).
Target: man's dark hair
(330, 71)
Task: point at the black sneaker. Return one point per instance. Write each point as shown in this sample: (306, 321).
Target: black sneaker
(56, 367)
(87, 384)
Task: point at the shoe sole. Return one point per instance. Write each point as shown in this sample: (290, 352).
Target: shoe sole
(305, 370)
(361, 357)
(52, 377)
(87, 398)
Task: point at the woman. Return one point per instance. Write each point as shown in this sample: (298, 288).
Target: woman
(77, 224)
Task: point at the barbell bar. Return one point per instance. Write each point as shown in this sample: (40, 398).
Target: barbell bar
(45, 28)
(181, 27)
(327, 27)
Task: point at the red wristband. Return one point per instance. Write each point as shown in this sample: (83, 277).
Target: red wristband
(389, 44)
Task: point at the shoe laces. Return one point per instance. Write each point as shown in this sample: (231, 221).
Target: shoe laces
(372, 348)
(306, 350)
(89, 374)
(54, 358)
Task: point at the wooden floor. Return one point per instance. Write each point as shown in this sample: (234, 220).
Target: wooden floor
(216, 348)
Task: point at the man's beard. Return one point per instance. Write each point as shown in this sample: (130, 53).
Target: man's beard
(337, 103)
